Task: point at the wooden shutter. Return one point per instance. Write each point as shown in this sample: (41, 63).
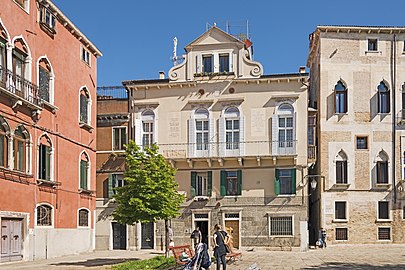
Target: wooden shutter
(198, 63)
(277, 183)
(295, 142)
(82, 174)
(209, 190)
(293, 180)
(274, 134)
(110, 191)
(138, 132)
(223, 183)
(222, 136)
(211, 137)
(242, 135)
(239, 174)
(193, 183)
(191, 137)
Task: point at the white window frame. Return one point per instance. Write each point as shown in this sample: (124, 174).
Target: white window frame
(52, 17)
(85, 55)
(52, 156)
(88, 218)
(52, 216)
(26, 6)
(378, 44)
(335, 219)
(88, 169)
(89, 104)
(51, 79)
(113, 141)
(204, 177)
(342, 240)
(276, 148)
(150, 120)
(389, 212)
(28, 151)
(339, 157)
(281, 216)
(203, 116)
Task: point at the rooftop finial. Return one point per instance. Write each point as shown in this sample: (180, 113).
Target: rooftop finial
(215, 24)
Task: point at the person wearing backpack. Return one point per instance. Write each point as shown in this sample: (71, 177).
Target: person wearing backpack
(196, 236)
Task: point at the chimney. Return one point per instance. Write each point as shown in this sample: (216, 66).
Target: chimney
(302, 70)
(161, 75)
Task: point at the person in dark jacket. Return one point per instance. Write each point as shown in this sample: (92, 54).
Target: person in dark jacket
(220, 239)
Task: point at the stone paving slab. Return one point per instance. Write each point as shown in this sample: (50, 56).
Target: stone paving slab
(334, 257)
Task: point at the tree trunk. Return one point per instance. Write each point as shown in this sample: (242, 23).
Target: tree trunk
(166, 239)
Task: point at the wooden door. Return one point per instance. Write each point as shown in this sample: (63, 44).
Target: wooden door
(234, 224)
(119, 236)
(147, 235)
(11, 239)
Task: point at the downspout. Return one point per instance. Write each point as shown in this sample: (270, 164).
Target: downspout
(393, 83)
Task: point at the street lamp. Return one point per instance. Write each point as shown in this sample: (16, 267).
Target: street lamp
(313, 183)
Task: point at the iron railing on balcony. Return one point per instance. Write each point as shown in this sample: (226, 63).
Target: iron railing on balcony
(18, 86)
(223, 149)
(311, 152)
(112, 92)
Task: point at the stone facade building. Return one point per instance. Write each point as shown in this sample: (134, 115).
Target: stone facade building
(233, 134)
(357, 86)
(47, 140)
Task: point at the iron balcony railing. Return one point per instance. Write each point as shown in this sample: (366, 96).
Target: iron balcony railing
(311, 152)
(235, 149)
(112, 92)
(18, 86)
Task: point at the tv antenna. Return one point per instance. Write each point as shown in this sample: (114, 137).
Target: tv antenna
(175, 58)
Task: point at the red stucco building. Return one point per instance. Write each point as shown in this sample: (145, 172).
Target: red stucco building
(48, 74)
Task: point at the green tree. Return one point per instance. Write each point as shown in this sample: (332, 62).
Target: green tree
(149, 193)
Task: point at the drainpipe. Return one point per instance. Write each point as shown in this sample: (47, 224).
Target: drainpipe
(393, 83)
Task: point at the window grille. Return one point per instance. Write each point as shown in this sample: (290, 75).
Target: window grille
(384, 233)
(232, 215)
(83, 218)
(200, 216)
(341, 234)
(44, 215)
(281, 226)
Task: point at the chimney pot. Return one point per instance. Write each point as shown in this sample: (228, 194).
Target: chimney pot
(302, 69)
(161, 75)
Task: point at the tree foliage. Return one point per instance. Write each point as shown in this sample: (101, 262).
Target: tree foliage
(149, 193)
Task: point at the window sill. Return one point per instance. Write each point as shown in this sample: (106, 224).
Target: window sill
(43, 227)
(285, 195)
(384, 114)
(373, 52)
(85, 191)
(50, 183)
(86, 127)
(383, 221)
(281, 236)
(340, 186)
(83, 227)
(49, 106)
(381, 187)
(340, 221)
(48, 30)
(87, 64)
(341, 114)
(201, 198)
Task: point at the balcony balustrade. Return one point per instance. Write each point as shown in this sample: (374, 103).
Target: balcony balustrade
(221, 150)
(17, 87)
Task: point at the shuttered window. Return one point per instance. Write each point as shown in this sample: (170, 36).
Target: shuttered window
(201, 184)
(285, 182)
(231, 183)
(44, 162)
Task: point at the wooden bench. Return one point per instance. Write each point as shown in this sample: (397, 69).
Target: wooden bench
(234, 255)
(178, 250)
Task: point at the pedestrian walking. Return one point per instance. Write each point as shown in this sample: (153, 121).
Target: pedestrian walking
(220, 239)
(196, 236)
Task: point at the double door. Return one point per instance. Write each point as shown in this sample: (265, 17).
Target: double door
(11, 239)
(119, 236)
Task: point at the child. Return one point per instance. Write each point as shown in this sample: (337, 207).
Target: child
(184, 256)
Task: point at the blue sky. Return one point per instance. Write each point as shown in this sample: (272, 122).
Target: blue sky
(136, 37)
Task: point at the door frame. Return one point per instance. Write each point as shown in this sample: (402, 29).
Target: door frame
(111, 245)
(25, 231)
(194, 222)
(239, 219)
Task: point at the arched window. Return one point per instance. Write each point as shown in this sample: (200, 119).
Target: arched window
(341, 168)
(83, 218)
(44, 159)
(148, 128)
(340, 98)
(383, 98)
(201, 117)
(84, 106)
(285, 126)
(4, 135)
(232, 128)
(84, 171)
(4, 38)
(382, 168)
(21, 138)
(45, 80)
(44, 215)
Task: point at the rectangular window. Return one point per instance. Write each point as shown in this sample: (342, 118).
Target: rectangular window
(383, 210)
(83, 175)
(361, 143)
(44, 162)
(231, 183)
(85, 55)
(281, 226)
(119, 138)
(201, 184)
(340, 210)
(207, 63)
(285, 182)
(311, 130)
(384, 233)
(224, 63)
(147, 133)
(19, 155)
(47, 18)
(83, 218)
(382, 172)
(372, 45)
(232, 134)
(118, 181)
(285, 132)
(202, 131)
(341, 234)
(3, 150)
(341, 172)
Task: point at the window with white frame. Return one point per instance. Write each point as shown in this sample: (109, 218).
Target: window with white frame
(85, 56)
(283, 130)
(382, 168)
(340, 98)
(47, 19)
(19, 67)
(201, 117)
(201, 183)
(4, 139)
(223, 62)
(384, 233)
(232, 128)
(383, 210)
(119, 138)
(84, 172)
(281, 225)
(21, 139)
(341, 168)
(383, 98)
(44, 215)
(372, 44)
(44, 158)
(45, 80)
(340, 211)
(84, 106)
(83, 217)
(208, 63)
(148, 128)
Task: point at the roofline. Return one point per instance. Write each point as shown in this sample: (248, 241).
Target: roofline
(371, 28)
(73, 29)
(213, 27)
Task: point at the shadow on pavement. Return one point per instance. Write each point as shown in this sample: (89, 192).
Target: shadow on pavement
(95, 262)
(356, 266)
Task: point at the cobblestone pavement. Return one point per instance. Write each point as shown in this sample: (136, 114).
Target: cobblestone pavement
(334, 257)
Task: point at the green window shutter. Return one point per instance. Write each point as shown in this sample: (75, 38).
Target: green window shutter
(239, 174)
(82, 174)
(48, 163)
(209, 190)
(294, 187)
(223, 183)
(277, 183)
(110, 185)
(193, 183)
